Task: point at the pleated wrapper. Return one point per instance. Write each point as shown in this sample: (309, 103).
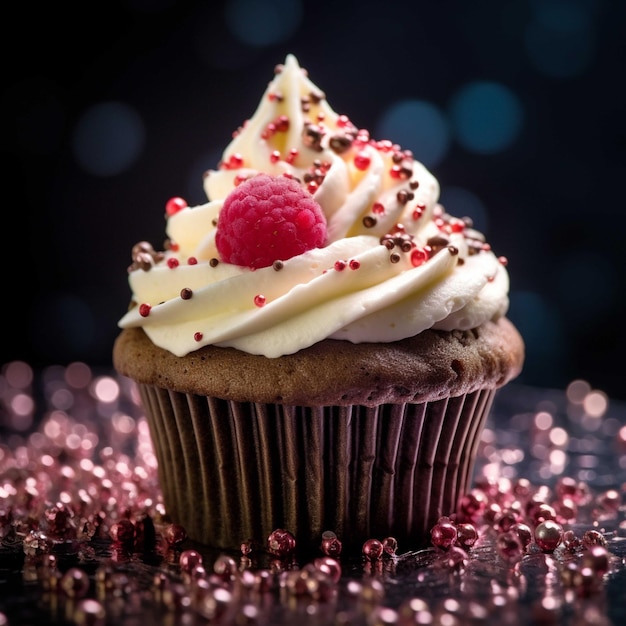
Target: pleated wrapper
(233, 472)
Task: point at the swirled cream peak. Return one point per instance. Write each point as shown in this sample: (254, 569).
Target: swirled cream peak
(394, 263)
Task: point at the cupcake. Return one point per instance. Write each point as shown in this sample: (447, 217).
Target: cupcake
(318, 346)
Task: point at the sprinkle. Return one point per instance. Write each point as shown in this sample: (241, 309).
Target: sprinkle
(172, 262)
(192, 260)
(214, 262)
(354, 264)
(198, 336)
(404, 196)
(174, 205)
(186, 293)
(369, 221)
(144, 310)
(340, 265)
(362, 160)
(418, 256)
(277, 265)
(259, 300)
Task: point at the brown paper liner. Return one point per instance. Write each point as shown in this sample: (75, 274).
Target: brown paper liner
(232, 472)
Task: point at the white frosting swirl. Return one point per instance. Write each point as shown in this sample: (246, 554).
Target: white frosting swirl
(434, 271)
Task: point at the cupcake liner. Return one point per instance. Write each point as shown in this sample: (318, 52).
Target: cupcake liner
(234, 471)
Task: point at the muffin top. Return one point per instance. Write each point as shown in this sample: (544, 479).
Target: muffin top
(429, 366)
(314, 232)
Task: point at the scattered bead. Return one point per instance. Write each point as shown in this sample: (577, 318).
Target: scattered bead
(281, 543)
(331, 545)
(189, 559)
(75, 582)
(372, 549)
(174, 534)
(548, 535)
(466, 535)
(443, 534)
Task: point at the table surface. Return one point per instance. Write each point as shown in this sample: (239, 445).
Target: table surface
(76, 461)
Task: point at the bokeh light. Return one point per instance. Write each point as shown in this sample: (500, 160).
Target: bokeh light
(108, 138)
(416, 125)
(559, 39)
(487, 117)
(263, 22)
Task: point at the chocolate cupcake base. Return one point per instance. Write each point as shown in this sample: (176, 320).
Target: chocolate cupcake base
(235, 471)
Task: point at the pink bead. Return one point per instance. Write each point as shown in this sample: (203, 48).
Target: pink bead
(189, 559)
(331, 546)
(122, 532)
(596, 558)
(594, 538)
(548, 535)
(225, 567)
(390, 546)
(372, 549)
(75, 582)
(329, 566)
(466, 535)
(443, 535)
(509, 546)
(571, 541)
(524, 533)
(281, 543)
(174, 534)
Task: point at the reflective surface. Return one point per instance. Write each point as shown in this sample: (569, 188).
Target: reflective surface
(541, 537)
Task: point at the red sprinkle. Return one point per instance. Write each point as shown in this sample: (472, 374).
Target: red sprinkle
(174, 205)
(340, 265)
(418, 256)
(362, 160)
(198, 336)
(192, 260)
(259, 300)
(172, 263)
(144, 310)
(354, 264)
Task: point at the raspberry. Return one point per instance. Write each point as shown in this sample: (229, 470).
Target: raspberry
(266, 219)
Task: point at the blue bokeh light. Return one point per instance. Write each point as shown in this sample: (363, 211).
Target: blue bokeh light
(262, 23)
(463, 203)
(108, 138)
(487, 117)
(416, 125)
(559, 39)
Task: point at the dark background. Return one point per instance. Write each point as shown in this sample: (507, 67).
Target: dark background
(185, 75)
